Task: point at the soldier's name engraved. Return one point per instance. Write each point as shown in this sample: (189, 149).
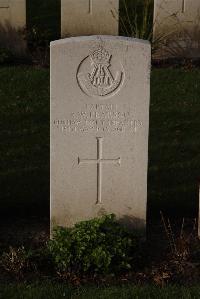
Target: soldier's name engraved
(99, 121)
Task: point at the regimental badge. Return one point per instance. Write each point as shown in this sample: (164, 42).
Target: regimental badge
(99, 82)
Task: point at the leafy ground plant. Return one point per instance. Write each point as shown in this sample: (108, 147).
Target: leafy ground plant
(99, 245)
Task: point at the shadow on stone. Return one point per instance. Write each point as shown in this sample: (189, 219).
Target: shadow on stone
(135, 224)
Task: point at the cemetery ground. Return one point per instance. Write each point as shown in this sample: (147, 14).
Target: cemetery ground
(173, 179)
(58, 291)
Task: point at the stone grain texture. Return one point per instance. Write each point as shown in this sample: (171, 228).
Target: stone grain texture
(13, 13)
(100, 91)
(89, 17)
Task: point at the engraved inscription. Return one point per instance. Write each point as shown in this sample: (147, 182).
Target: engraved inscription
(99, 118)
(99, 161)
(99, 82)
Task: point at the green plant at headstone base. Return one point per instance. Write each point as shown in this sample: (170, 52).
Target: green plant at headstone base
(100, 245)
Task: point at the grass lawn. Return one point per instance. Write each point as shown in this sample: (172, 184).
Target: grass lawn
(58, 291)
(174, 141)
(24, 135)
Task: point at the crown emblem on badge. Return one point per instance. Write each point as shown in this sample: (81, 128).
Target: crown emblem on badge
(100, 80)
(100, 56)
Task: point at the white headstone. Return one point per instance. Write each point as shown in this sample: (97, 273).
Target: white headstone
(99, 129)
(89, 17)
(13, 12)
(177, 25)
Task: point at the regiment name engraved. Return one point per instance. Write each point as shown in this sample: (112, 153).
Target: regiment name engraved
(100, 118)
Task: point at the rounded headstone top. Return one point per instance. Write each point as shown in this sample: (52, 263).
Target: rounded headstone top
(100, 38)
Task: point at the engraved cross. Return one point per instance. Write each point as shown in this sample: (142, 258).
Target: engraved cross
(90, 7)
(99, 161)
(5, 4)
(6, 7)
(183, 5)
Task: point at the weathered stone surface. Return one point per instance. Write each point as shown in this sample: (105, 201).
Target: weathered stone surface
(99, 129)
(177, 25)
(13, 12)
(89, 17)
